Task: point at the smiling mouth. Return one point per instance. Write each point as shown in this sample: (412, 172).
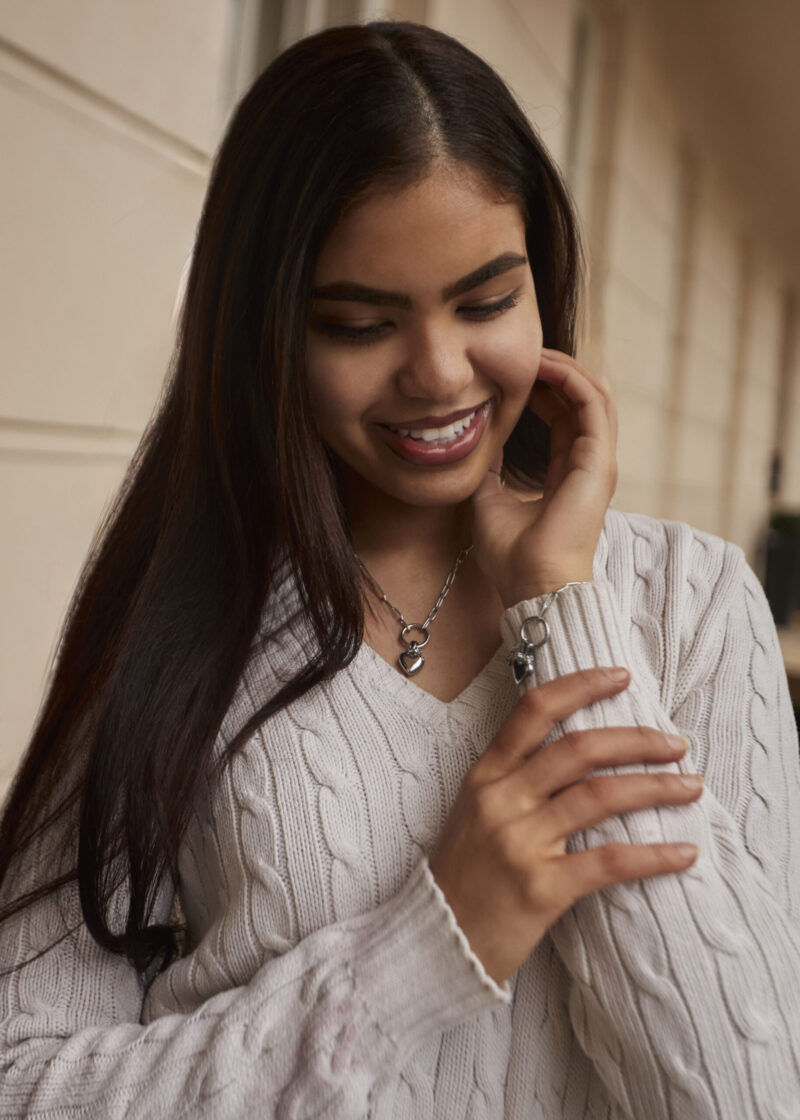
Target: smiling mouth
(439, 436)
(438, 447)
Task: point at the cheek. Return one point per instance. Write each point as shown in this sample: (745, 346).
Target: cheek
(338, 387)
(512, 358)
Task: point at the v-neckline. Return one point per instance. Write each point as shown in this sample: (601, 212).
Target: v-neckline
(493, 676)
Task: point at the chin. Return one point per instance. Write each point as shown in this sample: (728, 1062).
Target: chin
(429, 490)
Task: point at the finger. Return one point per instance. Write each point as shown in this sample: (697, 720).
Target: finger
(558, 357)
(602, 384)
(545, 401)
(576, 386)
(537, 712)
(578, 753)
(559, 416)
(589, 444)
(581, 873)
(596, 799)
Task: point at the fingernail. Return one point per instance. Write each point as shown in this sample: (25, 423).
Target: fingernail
(692, 781)
(687, 851)
(677, 743)
(617, 674)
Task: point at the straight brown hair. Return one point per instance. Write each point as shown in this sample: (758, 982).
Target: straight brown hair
(230, 481)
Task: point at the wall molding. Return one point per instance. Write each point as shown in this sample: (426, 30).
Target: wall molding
(35, 440)
(30, 74)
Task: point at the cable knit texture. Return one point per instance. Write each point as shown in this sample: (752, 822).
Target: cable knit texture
(325, 974)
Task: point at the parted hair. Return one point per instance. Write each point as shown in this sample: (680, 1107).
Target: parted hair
(231, 480)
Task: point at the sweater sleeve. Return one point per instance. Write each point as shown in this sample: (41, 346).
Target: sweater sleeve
(684, 987)
(319, 1029)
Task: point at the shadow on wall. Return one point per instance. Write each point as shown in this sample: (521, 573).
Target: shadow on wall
(782, 588)
(782, 579)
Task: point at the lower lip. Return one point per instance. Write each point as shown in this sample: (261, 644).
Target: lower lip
(435, 455)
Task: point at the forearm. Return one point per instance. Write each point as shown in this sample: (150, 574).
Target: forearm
(685, 984)
(317, 1030)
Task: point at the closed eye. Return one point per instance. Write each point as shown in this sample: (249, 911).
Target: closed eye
(481, 311)
(477, 312)
(350, 333)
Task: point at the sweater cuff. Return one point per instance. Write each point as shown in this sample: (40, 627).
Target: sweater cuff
(584, 631)
(440, 983)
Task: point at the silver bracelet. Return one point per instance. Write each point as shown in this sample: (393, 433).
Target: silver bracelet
(522, 659)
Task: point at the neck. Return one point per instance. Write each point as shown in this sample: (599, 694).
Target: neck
(383, 528)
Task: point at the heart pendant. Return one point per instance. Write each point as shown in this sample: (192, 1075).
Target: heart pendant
(411, 660)
(521, 666)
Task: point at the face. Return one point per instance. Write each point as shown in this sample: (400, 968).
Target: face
(424, 338)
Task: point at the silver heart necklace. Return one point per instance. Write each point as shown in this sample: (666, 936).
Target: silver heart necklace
(411, 659)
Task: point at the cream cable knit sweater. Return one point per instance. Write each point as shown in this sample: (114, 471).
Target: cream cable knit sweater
(326, 975)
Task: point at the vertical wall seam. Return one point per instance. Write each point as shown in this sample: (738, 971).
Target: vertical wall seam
(684, 260)
(733, 447)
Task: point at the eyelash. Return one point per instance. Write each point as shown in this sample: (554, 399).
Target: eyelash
(365, 335)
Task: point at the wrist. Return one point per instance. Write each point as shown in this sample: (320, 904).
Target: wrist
(532, 589)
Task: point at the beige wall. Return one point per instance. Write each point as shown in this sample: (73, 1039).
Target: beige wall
(106, 155)
(687, 313)
(111, 111)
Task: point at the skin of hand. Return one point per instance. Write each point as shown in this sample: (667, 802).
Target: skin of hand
(501, 859)
(531, 547)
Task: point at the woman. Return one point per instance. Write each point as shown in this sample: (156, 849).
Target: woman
(421, 875)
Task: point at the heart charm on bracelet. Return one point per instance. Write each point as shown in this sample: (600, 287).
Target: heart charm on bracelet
(522, 665)
(522, 659)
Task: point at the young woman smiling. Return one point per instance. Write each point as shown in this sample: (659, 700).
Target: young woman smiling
(334, 683)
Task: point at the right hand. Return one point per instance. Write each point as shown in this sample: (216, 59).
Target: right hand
(501, 860)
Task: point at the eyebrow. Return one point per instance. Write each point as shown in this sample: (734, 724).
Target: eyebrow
(358, 293)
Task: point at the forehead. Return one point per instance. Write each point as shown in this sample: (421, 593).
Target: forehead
(426, 234)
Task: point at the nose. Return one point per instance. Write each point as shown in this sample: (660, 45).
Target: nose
(436, 366)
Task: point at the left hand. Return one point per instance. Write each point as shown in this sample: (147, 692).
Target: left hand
(529, 547)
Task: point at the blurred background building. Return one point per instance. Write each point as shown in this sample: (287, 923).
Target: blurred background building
(673, 121)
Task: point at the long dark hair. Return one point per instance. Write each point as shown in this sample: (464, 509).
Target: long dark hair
(230, 479)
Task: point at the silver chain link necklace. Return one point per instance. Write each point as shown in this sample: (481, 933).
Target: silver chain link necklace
(411, 659)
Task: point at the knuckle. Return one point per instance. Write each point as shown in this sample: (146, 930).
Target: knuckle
(584, 746)
(649, 737)
(613, 860)
(485, 804)
(590, 678)
(534, 887)
(472, 781)
(670, 783)
(595, 792)
(574, 742)
(654, 787)
(508, 851)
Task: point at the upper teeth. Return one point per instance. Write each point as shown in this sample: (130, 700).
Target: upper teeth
(431, 434)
